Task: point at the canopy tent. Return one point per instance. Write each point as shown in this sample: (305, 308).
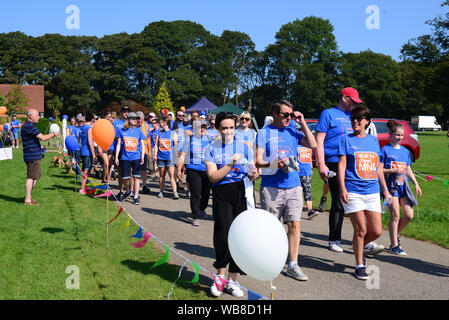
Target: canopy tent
(228, 107)
(202, 105)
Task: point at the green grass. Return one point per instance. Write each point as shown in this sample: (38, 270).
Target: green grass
(431, 222)
(39, 243)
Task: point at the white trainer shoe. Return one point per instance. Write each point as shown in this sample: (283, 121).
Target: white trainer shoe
(233, 288)
(335, 246)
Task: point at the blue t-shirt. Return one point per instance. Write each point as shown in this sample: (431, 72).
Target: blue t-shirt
(75, 131)
(180, 133)
(15, 123)
(131, 148)
(84, 141)
(336, 124)
(274, 141)
(165, 145)
(154, 133)
(305, 161)
(221, 154)
(248, 137)
(196, 147)
(362, 161)
(212, 133)
(396, 158)
(31, 143)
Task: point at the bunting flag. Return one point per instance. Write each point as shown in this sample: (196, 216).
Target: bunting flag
(102, 187)
(445, 184)
(163, 259)
(139, 234)
(253, 295)
(179, 275)
(126, 224)
(197, 274)
(220, 284)
(429, 178)
(119, 212)
(106, 194)
(142, 243)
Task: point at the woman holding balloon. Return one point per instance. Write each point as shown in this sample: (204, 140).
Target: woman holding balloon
(224, 158)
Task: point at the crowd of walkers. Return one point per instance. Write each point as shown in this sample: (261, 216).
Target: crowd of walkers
(223, 155)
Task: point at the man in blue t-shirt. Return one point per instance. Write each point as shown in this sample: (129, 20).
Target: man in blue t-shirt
(333, 125)
(32, 153)
(281, 192)
(15, 125)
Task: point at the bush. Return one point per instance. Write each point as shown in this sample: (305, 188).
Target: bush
(43, 125)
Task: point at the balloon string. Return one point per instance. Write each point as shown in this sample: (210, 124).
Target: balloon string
(272, 290)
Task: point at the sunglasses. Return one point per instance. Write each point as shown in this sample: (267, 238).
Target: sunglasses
(154, 122)
(180, 115)
(245, 119)
(204, 127)
(359, 118)
(286, 114)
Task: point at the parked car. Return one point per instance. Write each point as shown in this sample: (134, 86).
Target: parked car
(410, 140)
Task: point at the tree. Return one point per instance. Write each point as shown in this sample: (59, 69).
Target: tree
(377, 77)
(17, 99)
(162, 100)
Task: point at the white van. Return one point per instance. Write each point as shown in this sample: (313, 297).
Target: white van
(424, 123)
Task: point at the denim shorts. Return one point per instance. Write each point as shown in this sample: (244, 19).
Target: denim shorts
(87, 162)
(165, 163)
(127, 166)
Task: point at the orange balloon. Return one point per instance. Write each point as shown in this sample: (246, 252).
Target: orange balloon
(183, 109)
(1, 127)
(3, 110)
(103, 133)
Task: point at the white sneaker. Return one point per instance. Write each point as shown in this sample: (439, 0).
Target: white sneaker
(233, 288)
(373, 248)
(335, 246)
(214, 290)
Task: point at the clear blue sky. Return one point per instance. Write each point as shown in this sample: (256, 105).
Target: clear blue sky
(399, 20)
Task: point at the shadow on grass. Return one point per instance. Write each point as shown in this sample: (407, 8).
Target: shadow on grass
(12, 199)
(169, 272)
(52, 230)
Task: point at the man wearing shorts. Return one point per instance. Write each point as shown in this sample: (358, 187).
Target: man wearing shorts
(15, 125)
(281, 191)
(32, 153)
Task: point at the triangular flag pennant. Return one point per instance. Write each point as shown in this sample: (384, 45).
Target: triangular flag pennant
(253, 295)
(139, 234)
(219, 282)
(142, 243)
(163, 259)
(197, 274)
(119, 211)
(126, 224)
(445, 184)
(106, 194)
(429, 178)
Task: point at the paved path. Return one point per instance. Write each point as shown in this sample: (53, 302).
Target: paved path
(423, 274)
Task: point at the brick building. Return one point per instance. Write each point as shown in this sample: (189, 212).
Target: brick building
(34, 92)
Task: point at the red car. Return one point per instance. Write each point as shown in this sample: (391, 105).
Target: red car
(410, 140)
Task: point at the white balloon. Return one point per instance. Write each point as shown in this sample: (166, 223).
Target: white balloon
(258, 244)
(54, 128)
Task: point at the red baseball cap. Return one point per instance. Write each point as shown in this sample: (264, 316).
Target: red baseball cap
(351, 93)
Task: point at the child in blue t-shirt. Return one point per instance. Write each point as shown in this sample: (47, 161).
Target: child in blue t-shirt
(131, 144)
(359, 178)
(396, 165)
(305, 175)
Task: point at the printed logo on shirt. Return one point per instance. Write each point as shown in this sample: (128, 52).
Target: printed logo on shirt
(164, 144)
(130, 144)
(402, 166)
(304, 155)
(366, 165)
